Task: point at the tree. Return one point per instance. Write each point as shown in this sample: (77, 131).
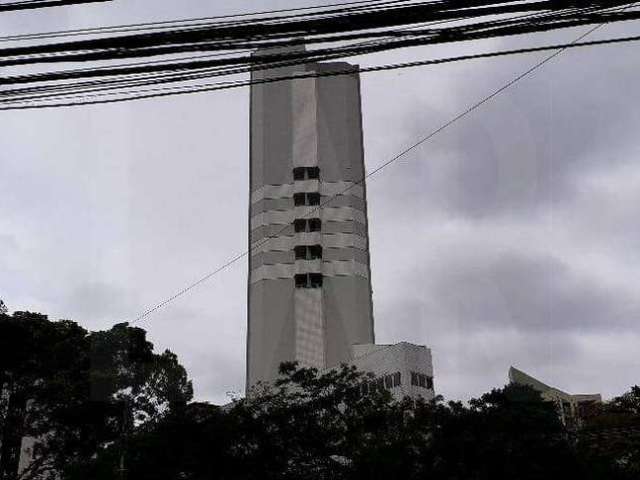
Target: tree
(96, 399)
(79, 393)
(318, 425)
(36, 360)
(628, 403)
(130, 387)
(506, 433)
(610, 441)
(307, 425)
(3, 308)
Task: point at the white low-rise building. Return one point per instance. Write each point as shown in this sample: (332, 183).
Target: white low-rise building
(405, 369)
(571, 407)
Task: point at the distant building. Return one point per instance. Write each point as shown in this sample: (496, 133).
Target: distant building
(309, 285)
(309, 280)
(572, 408)
(405, 369)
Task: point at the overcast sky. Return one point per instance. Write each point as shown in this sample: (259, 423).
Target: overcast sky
(512, 238)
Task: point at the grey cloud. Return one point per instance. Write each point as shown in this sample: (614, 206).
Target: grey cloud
(96, 303)
(529, 294)
(470, 358)
(521, 152)
(516, 291)
(209, 340)
(473, 354)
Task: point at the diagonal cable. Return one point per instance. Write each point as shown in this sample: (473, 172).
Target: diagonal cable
(377, 170)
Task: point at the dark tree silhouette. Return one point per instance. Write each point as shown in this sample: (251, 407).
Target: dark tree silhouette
(96, 401)
(76, 392)
(609, 442)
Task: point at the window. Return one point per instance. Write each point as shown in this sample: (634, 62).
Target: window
(421, 380)
(313, 198)
(315, 225)
(299, 199)
(313, 173)
(308, 252)
(308, 280)
(315, 280)
(301, 252)
(314, 252)
(306, 173)
(301, 280)
(298, 173)
(312, 225)
(299, 225)
(386, 382)
(302, 198)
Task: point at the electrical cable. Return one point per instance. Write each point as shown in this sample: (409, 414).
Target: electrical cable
(170, 23)
(35, 4)
(97, 70)
(378, 169)
(177, 90)
(166, 77)
(203, 69)
(320, 29)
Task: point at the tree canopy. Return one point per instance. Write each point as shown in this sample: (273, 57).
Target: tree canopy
(104, 405)
(77, 392)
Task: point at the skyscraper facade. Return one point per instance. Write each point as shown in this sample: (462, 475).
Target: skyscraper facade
(309, 283)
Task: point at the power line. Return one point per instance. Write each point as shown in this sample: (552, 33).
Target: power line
(378, 169)
(181, 90)
(320, 28)
(97, 70)
(35, 4)
(125, 81)
(170, 23)
(121, 78)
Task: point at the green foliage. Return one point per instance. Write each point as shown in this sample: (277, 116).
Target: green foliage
(316, 425)
(95, 399)
(78, 392)
(311, 424)
(506, 433)
(610, 439)
(627, 403)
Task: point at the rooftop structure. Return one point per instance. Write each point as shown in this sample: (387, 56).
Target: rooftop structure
(571, 407)
(404, 369)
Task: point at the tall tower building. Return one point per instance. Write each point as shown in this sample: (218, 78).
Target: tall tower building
(309, 285)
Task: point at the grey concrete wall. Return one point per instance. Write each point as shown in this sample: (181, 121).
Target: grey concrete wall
(271, 338)
(271, 131)
(347, 316)
(312, 122)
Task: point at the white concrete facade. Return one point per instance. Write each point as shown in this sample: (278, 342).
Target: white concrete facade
(309, 281)
(405, 369)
